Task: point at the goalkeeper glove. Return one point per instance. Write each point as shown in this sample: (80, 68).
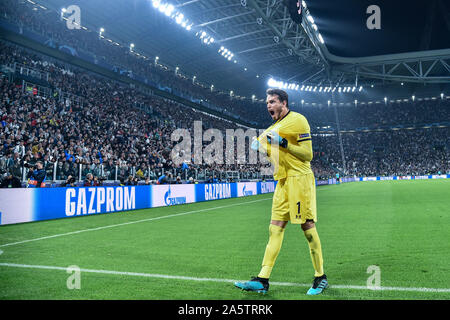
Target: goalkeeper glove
(275, 138)
(255, 144)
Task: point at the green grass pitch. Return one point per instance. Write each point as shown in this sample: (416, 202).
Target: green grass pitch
(400, 226)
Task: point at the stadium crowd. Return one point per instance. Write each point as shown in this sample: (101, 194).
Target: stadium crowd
(391, 152)
(96, 135)
(375, 116)
(108, 130)
(49, 24)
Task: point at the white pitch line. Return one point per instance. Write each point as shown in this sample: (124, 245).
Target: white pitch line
(131, 222)
(164, 276)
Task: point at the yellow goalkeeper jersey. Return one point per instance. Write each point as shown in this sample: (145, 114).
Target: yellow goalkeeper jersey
(295, 129)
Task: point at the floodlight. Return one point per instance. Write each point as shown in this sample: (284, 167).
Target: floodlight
(156, 3)
(179, 18)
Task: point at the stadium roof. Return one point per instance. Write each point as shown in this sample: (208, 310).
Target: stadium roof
(405, 26)
(413, 44)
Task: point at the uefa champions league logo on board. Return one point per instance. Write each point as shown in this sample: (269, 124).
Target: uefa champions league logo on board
(245, 192)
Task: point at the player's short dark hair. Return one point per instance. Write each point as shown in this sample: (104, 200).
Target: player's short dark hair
(282, 95)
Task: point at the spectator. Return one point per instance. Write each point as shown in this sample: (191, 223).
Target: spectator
(89, 181)
(70, 182)
(36, 176)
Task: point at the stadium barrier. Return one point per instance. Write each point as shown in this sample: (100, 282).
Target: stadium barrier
(425, 177)
(354, 179)
(36, 204)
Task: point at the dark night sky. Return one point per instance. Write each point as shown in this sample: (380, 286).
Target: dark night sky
(342, 24)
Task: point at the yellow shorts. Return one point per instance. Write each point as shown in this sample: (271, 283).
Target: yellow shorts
(295, 199)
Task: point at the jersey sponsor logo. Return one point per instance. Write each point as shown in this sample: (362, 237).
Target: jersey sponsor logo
(304, 135)
(81, 201)
(217, 191)
(170, 201)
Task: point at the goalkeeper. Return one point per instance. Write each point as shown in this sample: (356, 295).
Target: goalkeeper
(287, 143)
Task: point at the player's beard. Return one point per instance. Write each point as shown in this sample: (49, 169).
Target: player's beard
(275, 114)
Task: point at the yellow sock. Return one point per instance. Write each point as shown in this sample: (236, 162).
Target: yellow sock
(315, 250)
(273, 247)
